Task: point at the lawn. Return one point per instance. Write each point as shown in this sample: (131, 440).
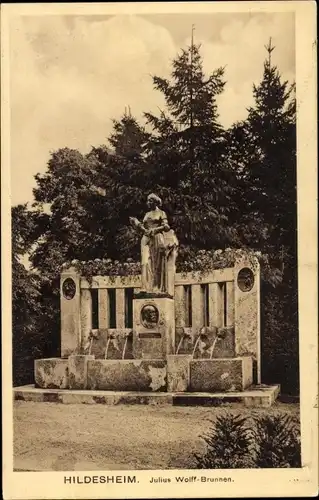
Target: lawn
(58, 437)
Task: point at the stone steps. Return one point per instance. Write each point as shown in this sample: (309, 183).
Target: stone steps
(258, 396)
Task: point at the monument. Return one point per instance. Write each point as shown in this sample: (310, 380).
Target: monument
(191, 338)
(153, 305)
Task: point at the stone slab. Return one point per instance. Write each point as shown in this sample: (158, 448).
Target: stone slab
(127, 375)
(51, 373)
(255, 397)
(178, 372)
(221, 374)
(78, 370)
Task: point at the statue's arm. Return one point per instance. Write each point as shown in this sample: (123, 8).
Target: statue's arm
(138, 225)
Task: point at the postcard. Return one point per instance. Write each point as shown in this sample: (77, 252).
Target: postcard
(159, 256)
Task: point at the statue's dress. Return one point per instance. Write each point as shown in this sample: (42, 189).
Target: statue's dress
(155, 251)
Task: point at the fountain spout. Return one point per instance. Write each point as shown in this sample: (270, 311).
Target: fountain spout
(127, 335)
(201, 333)
(213, 347)
(184, 335)
(219, 335)
(94, 334)
(110, 337)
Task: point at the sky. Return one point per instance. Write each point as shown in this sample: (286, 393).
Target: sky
(71, 75)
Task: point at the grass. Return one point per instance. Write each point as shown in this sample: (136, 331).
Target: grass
(52, 436)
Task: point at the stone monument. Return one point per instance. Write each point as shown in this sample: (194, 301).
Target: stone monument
(191, 338)
(153, 305)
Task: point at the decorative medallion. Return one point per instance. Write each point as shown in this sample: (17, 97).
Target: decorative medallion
(149, 316)
(245, 279)
(68, 289)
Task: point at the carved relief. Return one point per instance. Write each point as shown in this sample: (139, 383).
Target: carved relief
(68, 289)
(245, 279)
(149, 316)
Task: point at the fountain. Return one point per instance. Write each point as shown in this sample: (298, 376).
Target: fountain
(127, 336)
(147, 358)
(184, 335)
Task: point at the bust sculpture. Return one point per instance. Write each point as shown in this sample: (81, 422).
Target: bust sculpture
(158, 249)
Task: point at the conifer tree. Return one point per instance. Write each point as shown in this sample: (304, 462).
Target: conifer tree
(186, 153)
(128, 138)
(272, 171)
(267, 158)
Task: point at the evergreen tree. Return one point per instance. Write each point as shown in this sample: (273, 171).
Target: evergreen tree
(271, 177)
(266, 156)
(186, 154)
(128, 138)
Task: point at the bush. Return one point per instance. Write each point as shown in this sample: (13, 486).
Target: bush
(228, 444)
(276, 442)
(272, 442)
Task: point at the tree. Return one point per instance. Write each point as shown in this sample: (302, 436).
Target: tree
(266, 161)
(26, 306)
(271, 177)
(186, 155)
(128, 138)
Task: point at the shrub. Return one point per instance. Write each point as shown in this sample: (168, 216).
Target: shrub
(228, 444)
(276, 442)
(272, 442)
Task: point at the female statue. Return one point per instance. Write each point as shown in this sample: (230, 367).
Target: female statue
(158, 248)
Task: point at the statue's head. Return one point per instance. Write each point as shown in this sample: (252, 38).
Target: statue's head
(149, 316)
(153, 201)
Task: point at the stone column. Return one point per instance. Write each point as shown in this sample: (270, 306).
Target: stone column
(86, 315)
(78, 371)
(70, 303)
(178, 372)
(247, 311)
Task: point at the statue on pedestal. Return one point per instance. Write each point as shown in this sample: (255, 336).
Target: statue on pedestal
(158, 249)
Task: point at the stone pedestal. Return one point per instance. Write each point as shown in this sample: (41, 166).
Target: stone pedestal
(51, 373)
(228, 374)
(178, 372)
(153, 327)
(78, 371)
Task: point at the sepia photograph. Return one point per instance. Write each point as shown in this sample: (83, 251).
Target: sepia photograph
(154, 227)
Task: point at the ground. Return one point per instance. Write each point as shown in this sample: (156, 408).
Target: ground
(52, 436)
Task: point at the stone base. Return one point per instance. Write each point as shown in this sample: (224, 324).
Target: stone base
(127, 375)
(78, 371)
(51, 373)
(178, 372)
(258, 396)
(228, 374)
(61, 373)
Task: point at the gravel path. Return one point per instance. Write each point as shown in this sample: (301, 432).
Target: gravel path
(51, 436)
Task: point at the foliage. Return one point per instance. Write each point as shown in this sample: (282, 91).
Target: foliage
(228, 444)
(269, 441)
(263, 150)
(26, 305)
(280, 347)
(202, 261)
(276, 442)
